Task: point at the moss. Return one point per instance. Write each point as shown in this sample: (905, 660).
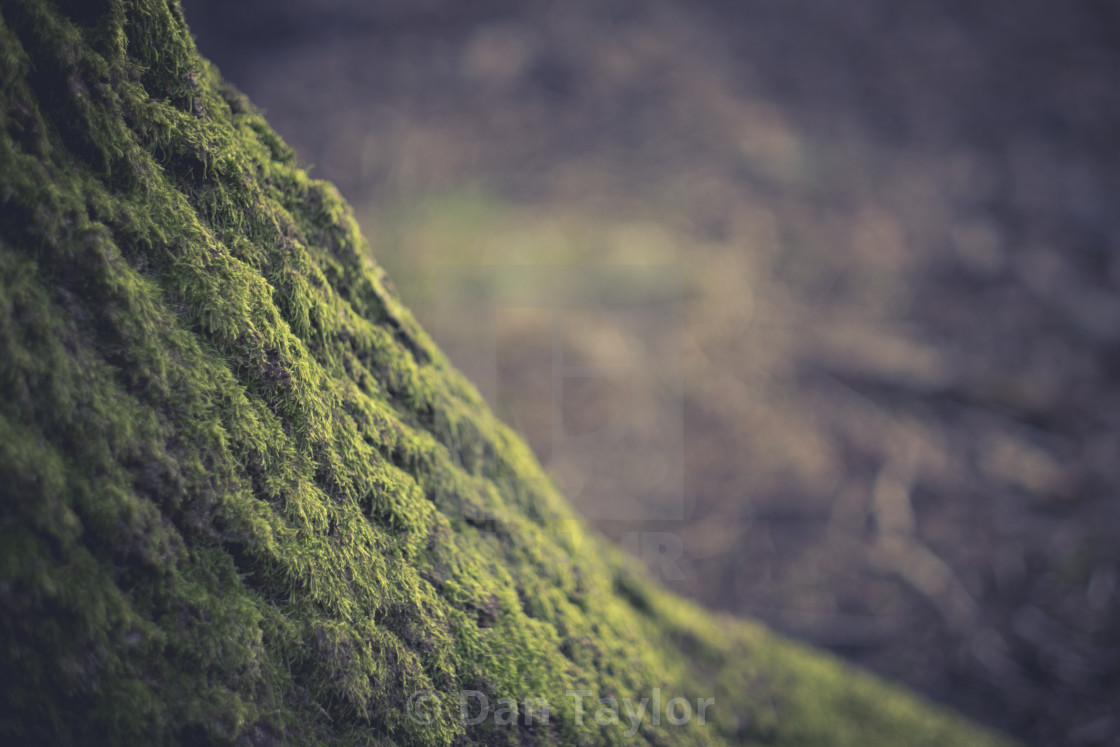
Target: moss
(244, 497)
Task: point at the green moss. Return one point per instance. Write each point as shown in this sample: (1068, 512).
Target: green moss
(244, 497)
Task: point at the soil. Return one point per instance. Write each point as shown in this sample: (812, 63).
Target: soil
(898, 344)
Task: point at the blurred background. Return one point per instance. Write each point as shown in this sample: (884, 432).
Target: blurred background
(878, 401)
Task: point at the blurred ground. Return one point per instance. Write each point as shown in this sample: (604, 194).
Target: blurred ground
(896, 228)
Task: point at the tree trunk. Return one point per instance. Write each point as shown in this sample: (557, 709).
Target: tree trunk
(246, 500)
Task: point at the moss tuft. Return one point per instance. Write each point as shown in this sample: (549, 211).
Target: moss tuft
(246, 500)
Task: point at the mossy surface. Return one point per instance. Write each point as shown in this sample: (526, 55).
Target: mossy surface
(244, 499)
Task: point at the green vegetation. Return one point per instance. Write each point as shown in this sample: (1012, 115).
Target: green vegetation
(245, 499)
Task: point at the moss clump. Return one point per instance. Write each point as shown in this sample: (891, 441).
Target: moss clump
(245, 499)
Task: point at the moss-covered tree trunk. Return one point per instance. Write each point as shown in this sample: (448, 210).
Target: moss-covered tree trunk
(244, 499)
